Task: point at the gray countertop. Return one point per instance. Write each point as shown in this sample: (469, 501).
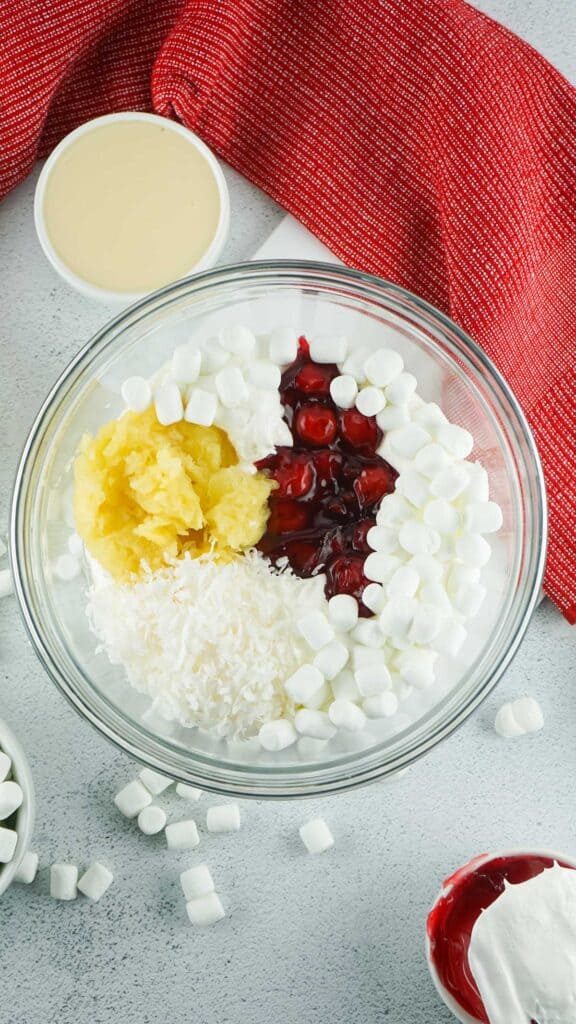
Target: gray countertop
(331, 940)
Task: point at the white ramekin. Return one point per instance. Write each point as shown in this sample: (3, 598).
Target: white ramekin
(471, 868)
(211, 254)
(25, 815)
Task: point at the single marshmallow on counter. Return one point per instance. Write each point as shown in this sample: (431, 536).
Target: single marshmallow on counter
(206, 910)
(315, 629)
(186, 363)
(331, 659)
(132, 799)
(346, 715)
(196, 882)
(316, 836)
(370, 400)
(383, 366)
(328, 348)
(8, 840)
(277, 735)
(303, 683)
(201, 407)
(182, 835)
(231, 387)
(11, 797)
(168, 404)
(283, 346)
(224, 818)
(136, 394)
(63, 881)
(28, 868)
(380, 705)
(155, 782)
(314, 723)
(343, 391)
(263, 376)
(188, 792)
(519, 717)
(343, 611)
(238, 340)
(152, 820)
(95, 881)
(5, 765)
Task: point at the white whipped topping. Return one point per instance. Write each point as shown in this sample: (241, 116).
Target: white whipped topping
(523, 951)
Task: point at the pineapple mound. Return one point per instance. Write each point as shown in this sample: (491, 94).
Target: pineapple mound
(148, 493)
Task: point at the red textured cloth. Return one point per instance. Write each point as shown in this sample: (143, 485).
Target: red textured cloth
(417, 138)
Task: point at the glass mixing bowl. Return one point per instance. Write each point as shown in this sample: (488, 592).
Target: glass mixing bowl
(315, 297)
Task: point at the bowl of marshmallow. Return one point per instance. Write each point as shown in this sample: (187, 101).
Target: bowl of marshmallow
(16, 806)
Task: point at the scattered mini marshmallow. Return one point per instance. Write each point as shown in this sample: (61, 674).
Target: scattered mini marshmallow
(418, 539)
(132, 799)
(373, 679)
(63, 881)
(315, 629)
(319, 697)
(316, 836)
(450, 482)
(66, 567)
(473, 549)
(152, 820)
(263, 375)
(155, 782)
(353, 365)
(344, 687)
(136, 394)
(414, 487)
(343, 391)
(196, 882)
(343, 611)
(328, 348)
(188, 792)
(370, 400)
(238, 340)
(379, 566)
(383, 366)
(403, 583)
(431, 460)
(201, 407)
(11, 797)
(182, 835)
(168, 404)
(380, 705)
(382, 538)
(5, 765)
(416, 667)
(95, 881)
(397, 616)
(8, 840)
(458, 441)
(394, 509)
(27, 869)
(393, 416)
(214, 357)
(316, 724)
(346, 715)
(223, 818)
(186, 363)
(283, 347)
(373, 596)
(331, 659)
(519, 717)
(441, 515)
(231, 387)
(408, 440)
(277, 735)
(368, 633)
(206, 910)
(482, 517)
(426, 624)
(400, 390)
(430, 416)
(303, 683)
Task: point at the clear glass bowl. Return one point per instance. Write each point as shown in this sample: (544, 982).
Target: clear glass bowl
(315, 297)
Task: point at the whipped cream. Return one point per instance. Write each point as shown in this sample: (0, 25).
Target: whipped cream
(523, 951)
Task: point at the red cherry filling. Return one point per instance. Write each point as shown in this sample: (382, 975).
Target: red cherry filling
(329, 483)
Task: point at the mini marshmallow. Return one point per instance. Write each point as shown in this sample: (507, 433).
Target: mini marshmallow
(380, 705)
(132, 799)
(393, 416)
(224, 818)
(238, 340)
(450, 482)
(372, 679)
(426, 624)
(27, 869)
(136, 394)
(186, 363)
(383, 367)
(314, 723)
(319, 697)
(231, 387)
(373, 596)
(434, 592)
(353, 365)
(283, 346)
(365, 656)
(11, 797)
(382, 538)
(394, 509)
(519, 717)
(196, 882)
(201, 407)
(277, 735)
(152, 820)
(5, 765)
(441, 516)
(370, 401)
(368, 633)
(431, 460)
(346, 715)
(396, 616)
(469, 598)
(8, 840)
(95, 881)
(408, 440)
(264, 376)
(283, 435)
(303, 683)
(478, 488)
(400, 391)
(315, 629)
(66, 567)
(427, 567)
(206, 910)
(75, 545)
(343, 612)
(414, 487)
(182, 835)
(451, 638)
(331, 659)
(328, 348)
(168, 404)
(419, 539)
(462, 576)
(188, 792)
(416, 667)
(155, 782)
(403, 583)
(458, 441)
(430, 416)
(472, 549)
(343, 391)
(214, 357)
(482, 517)
(379, 566)
(63, 881)
(316, 836)
(344, 687)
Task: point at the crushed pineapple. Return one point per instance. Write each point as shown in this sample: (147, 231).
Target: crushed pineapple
(148, 493)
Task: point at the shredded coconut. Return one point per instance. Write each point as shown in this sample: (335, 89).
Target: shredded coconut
(211, 643)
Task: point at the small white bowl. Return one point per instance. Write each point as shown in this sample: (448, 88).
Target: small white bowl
(211, 254)
(468, 869)
(25, 814)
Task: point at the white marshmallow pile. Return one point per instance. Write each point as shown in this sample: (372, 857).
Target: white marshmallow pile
(519, 717)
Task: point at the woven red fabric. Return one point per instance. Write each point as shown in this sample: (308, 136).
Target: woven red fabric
(417, 138)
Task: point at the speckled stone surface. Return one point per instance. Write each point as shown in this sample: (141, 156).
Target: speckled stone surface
(330, 940)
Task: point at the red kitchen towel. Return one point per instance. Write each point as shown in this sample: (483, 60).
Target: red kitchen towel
(417, 138)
